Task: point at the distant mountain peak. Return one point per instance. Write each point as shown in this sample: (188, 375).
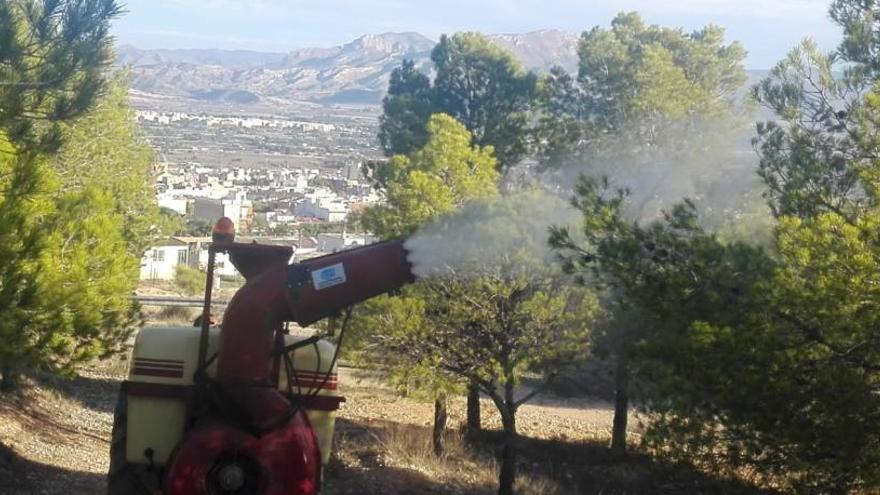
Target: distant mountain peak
(541, 49)
(391, 42)
(355, 71)
(536, 33)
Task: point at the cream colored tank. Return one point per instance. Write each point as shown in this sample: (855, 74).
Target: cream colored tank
(167, 357)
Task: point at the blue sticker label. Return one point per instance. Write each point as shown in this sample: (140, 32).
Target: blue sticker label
(328, 276)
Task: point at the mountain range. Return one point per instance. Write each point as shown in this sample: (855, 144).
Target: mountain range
(356, 72)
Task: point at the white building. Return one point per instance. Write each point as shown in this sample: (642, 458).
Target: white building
(234, 206)
(223, 267)
(331, 243)
(323, 204)
(327, 210)
(173, 203)
(300, 183)
(159, 261)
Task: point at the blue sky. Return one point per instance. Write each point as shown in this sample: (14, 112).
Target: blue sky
(767, 28)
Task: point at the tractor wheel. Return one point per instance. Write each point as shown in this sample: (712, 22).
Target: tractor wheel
(124, 478)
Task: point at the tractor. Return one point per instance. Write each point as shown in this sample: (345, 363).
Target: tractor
(244, 408)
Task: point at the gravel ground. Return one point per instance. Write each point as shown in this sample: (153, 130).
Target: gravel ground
(546, 417)
(54, 435)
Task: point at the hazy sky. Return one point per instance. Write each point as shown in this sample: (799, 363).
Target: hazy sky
(767, 28)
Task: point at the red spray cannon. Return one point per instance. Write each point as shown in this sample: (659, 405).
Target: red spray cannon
(305, 293)
(323, 286)
(271, 443)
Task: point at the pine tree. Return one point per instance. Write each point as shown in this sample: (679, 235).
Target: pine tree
(766, 360)
(53, 55)
(487, 90)
(105, 149)
(485, 330)
(643, 95)
(478, 83)
(406, 109)
(420, 187)
(24, 205)
(69, 265)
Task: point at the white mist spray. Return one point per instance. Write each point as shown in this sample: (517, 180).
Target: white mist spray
(508, 232)
(716, 168)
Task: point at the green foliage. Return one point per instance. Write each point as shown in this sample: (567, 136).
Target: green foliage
(861, 39)
(196, 227)
(351, 225)
(262, 207)
(562, 113)
(484, 329)
(487, 90)
(313, 229)
(382, 324)
(499, 328)
(477, 83)
(763, 363)
(751, 362)
(490, 329)
(820, 167)
(688, 300)
(68, 242)
(405, 110)
(189, 281)
(23, 207)
(490, 319)
(260, 225)
(283, 229)
(53, 55)
(508, 317)
(634, 71)
(489, 313)
(646, 83)
(105, 149)
(806, 160)
(89, 277)
(432, 181)
(428, 183)
(648, 105)
(67, 281)
(786, 372)
(168, 222)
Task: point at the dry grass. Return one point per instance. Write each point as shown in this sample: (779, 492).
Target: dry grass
(54, 440)
(172, 315)
(374, 451)
(374, 457)
(411, 448)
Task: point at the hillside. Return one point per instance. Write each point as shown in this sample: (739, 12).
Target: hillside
(356, 72)
(54, 440)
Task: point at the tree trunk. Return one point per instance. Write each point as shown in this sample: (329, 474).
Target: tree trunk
(440, 418)
(7, 382)
(473, 409)
(507, 477)
(621, 407)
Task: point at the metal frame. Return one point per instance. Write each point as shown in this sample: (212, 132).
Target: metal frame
(206, 313)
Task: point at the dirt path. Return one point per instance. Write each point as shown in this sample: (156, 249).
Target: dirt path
(545, 417)
(54, 437)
